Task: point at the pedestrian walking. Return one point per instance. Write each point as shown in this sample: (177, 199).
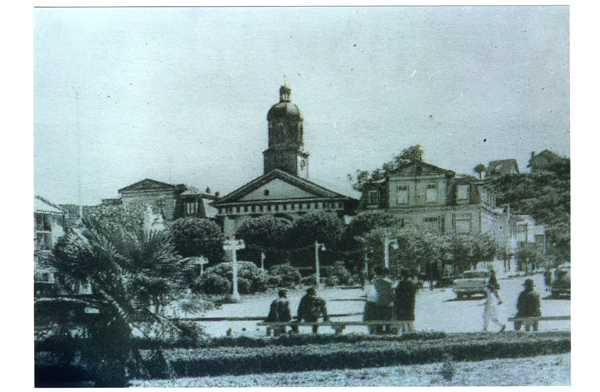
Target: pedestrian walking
(528, 305)
(379, 305)
(548, 278)
(280, 312)
(404, 303)
(490, 312)
(312, 308)
(494, 285)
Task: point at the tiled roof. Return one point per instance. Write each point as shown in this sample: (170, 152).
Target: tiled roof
(503, 166)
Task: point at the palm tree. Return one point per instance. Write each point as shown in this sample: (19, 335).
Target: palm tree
(480, 169)
(132, 274)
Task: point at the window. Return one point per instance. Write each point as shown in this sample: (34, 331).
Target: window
(462, 223)
(432, 224)
(462, 192)
(402, 195)
(432, 193)
(266, 192)
(373, 198)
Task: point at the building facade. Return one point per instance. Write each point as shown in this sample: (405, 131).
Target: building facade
(169, 201)
(543, 161)
(284, 189)
(435, 200)
(49, 224)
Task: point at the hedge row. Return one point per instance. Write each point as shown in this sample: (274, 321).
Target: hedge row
(370, 353)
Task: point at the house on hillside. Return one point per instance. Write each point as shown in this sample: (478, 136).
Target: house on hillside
(170, 201)
(543, 161)
(502, 167)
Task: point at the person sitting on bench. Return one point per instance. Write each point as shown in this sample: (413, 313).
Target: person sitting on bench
(280, 312)
(311, 308)
(528, 305)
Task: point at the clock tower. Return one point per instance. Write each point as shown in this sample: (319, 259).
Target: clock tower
(286, 144)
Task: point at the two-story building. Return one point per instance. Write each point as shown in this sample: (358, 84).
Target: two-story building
(169, 201)
(49, 225)
(434, 199)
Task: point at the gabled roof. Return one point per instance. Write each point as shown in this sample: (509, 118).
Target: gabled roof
(301, 183)
(420, 169)
(501, 167)
(546, 154)
(42, 205)
(147, 184)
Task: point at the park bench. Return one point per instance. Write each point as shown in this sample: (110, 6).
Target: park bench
(337, 326)
(530, 320)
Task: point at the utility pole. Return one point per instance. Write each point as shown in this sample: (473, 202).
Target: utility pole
(317, 267)
(233, 245)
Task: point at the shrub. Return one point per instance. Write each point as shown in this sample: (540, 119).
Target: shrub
(275, 281)
(309, 280)
(251, 279)
(332, 281)
(212, 283)
(339, 271)
(290, 276)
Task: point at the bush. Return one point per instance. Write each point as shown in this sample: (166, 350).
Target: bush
(290, 276)
(275, 281)
(251, 279)
(212, 283)
(309, 280)
(332, 281)
(339, 271)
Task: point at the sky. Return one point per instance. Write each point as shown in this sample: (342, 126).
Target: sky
(180, 95)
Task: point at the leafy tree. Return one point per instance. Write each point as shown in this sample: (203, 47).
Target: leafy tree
(362, 224)
(411, 154)
(198, 237)
(266, 234)
(546, 196)
(132, 275)
(324, 227)
(479, 169)
(407, 157)
(529, 255)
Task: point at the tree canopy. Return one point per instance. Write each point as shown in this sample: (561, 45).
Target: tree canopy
(198, 237)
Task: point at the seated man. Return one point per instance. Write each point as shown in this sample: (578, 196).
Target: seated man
(528, 305)
(379, 305)
(311, 308)
(280, 311)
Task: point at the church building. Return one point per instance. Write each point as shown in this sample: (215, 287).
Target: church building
(284, 189)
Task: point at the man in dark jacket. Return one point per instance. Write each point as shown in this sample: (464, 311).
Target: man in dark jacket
(404, 305)
(528, 305)
(280, 311)
(311, 308)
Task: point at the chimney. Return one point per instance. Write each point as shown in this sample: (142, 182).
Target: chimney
(533, 154)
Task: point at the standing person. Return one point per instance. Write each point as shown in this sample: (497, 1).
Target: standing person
(404, 305)
(528, 305)
(490, 313)
(548, 278)
(280, 311)
(379, 301)
(311, 308)
(494, 286)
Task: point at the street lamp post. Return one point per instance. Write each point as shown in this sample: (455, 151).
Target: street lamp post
(386, 249)
(317, 267)
(233, 245)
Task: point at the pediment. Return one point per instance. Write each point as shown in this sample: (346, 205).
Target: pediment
(277, 189)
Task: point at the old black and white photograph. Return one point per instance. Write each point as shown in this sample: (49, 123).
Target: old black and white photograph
(302, 196)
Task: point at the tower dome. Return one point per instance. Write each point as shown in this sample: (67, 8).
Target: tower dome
(285, 108)
(286, 134)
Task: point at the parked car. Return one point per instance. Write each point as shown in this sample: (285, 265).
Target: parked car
(561, 284)
(471, 283)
